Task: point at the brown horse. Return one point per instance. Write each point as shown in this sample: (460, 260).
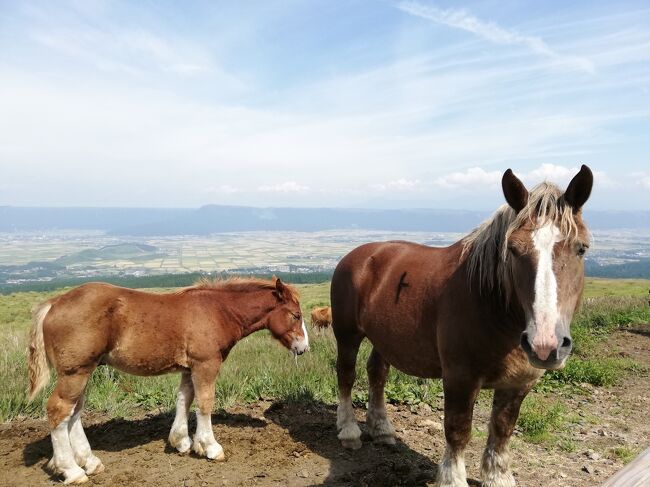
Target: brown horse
(190, 331)
(321, 318)
(491, 311)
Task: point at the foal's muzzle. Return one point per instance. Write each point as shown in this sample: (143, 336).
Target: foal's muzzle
(556, 357)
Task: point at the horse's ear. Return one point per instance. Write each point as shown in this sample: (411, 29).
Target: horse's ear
(514, 190)
(579, 189)
(279, 288)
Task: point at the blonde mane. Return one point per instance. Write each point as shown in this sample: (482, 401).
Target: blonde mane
(241, 284)
(486, 246)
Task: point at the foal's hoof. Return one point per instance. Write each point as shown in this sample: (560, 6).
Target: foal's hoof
(183, 445)
(217, 455)
(213, 451)
(79, 480)
(94, 466)
(73, 475)
(384, 440)
(352, 444)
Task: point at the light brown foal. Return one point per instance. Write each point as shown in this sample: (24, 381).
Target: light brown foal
(191, 331)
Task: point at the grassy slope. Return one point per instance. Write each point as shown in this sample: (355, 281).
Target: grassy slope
(260, 368)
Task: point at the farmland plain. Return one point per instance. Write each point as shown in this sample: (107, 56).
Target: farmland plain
(42, 257)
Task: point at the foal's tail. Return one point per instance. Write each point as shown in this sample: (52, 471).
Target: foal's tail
(39, 369)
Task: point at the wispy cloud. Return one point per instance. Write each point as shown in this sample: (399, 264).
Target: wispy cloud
(492, 32)
(413, 113)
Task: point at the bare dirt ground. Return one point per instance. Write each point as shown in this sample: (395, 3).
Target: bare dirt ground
(295, 444)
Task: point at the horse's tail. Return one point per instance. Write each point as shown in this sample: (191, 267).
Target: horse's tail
(39, 368)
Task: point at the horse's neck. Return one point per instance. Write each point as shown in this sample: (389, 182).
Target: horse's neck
(249, 310)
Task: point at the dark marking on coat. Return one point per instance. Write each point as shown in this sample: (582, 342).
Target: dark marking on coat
(400, 285)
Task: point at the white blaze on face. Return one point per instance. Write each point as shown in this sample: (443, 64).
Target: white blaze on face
(301, 345)
(545, 309)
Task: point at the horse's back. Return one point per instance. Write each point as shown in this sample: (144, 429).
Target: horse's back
(388, 292)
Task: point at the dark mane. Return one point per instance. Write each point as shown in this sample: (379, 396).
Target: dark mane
(241, 284)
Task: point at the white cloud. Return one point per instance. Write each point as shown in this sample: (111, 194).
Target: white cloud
(641, 179)
(286, 187)
(477, 178)
(490, 31)
(550, 172)
(398, 115)
(562, 175)
(474, 177)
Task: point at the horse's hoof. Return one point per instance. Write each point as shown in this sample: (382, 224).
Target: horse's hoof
(94, 466)
(215, 452)
(80, 480)
(353, 444)
(221, 457)
(384, 440)
(184, 445)
(75, 475)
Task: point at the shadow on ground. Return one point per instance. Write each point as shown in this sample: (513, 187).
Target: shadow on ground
(116, 435)
(371, 465)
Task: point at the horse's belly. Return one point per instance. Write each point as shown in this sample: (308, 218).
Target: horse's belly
(145, 364)
(407, 350)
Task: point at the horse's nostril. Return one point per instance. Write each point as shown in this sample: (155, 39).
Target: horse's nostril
(567, 342)
(525, 344)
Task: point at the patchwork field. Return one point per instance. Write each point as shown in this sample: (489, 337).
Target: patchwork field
(53, 257)
(275, 417)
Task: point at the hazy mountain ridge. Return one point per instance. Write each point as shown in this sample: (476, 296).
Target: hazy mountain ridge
(218, 219)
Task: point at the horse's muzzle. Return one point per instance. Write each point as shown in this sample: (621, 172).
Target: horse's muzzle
(555, 358)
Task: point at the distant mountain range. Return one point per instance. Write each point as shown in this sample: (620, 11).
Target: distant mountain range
(216, 219)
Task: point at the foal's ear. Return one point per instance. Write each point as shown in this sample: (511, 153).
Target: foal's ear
(514, 190)
(579, 189)
(279, 289)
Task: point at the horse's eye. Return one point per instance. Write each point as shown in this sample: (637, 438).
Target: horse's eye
(295, 316)
(514, 250)
(582, 250)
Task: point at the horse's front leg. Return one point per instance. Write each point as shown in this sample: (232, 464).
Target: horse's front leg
(204, 375)
(179, 436)
(460, 395)
(495, 471)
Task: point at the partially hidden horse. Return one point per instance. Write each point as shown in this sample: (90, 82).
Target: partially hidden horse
(491, 311)
(190, 331)
(321, 318)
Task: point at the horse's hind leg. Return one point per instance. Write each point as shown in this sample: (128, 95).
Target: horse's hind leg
(61, 408)
(378, 425)
(349, 432)
(203, 376)
(495, 471)
(81, 448)
(179, 436)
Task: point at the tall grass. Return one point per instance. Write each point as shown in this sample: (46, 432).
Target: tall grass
(260, 368)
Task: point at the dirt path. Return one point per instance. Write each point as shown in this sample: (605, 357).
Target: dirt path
(295, 444)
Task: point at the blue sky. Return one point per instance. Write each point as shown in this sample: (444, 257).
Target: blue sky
(320, 103)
